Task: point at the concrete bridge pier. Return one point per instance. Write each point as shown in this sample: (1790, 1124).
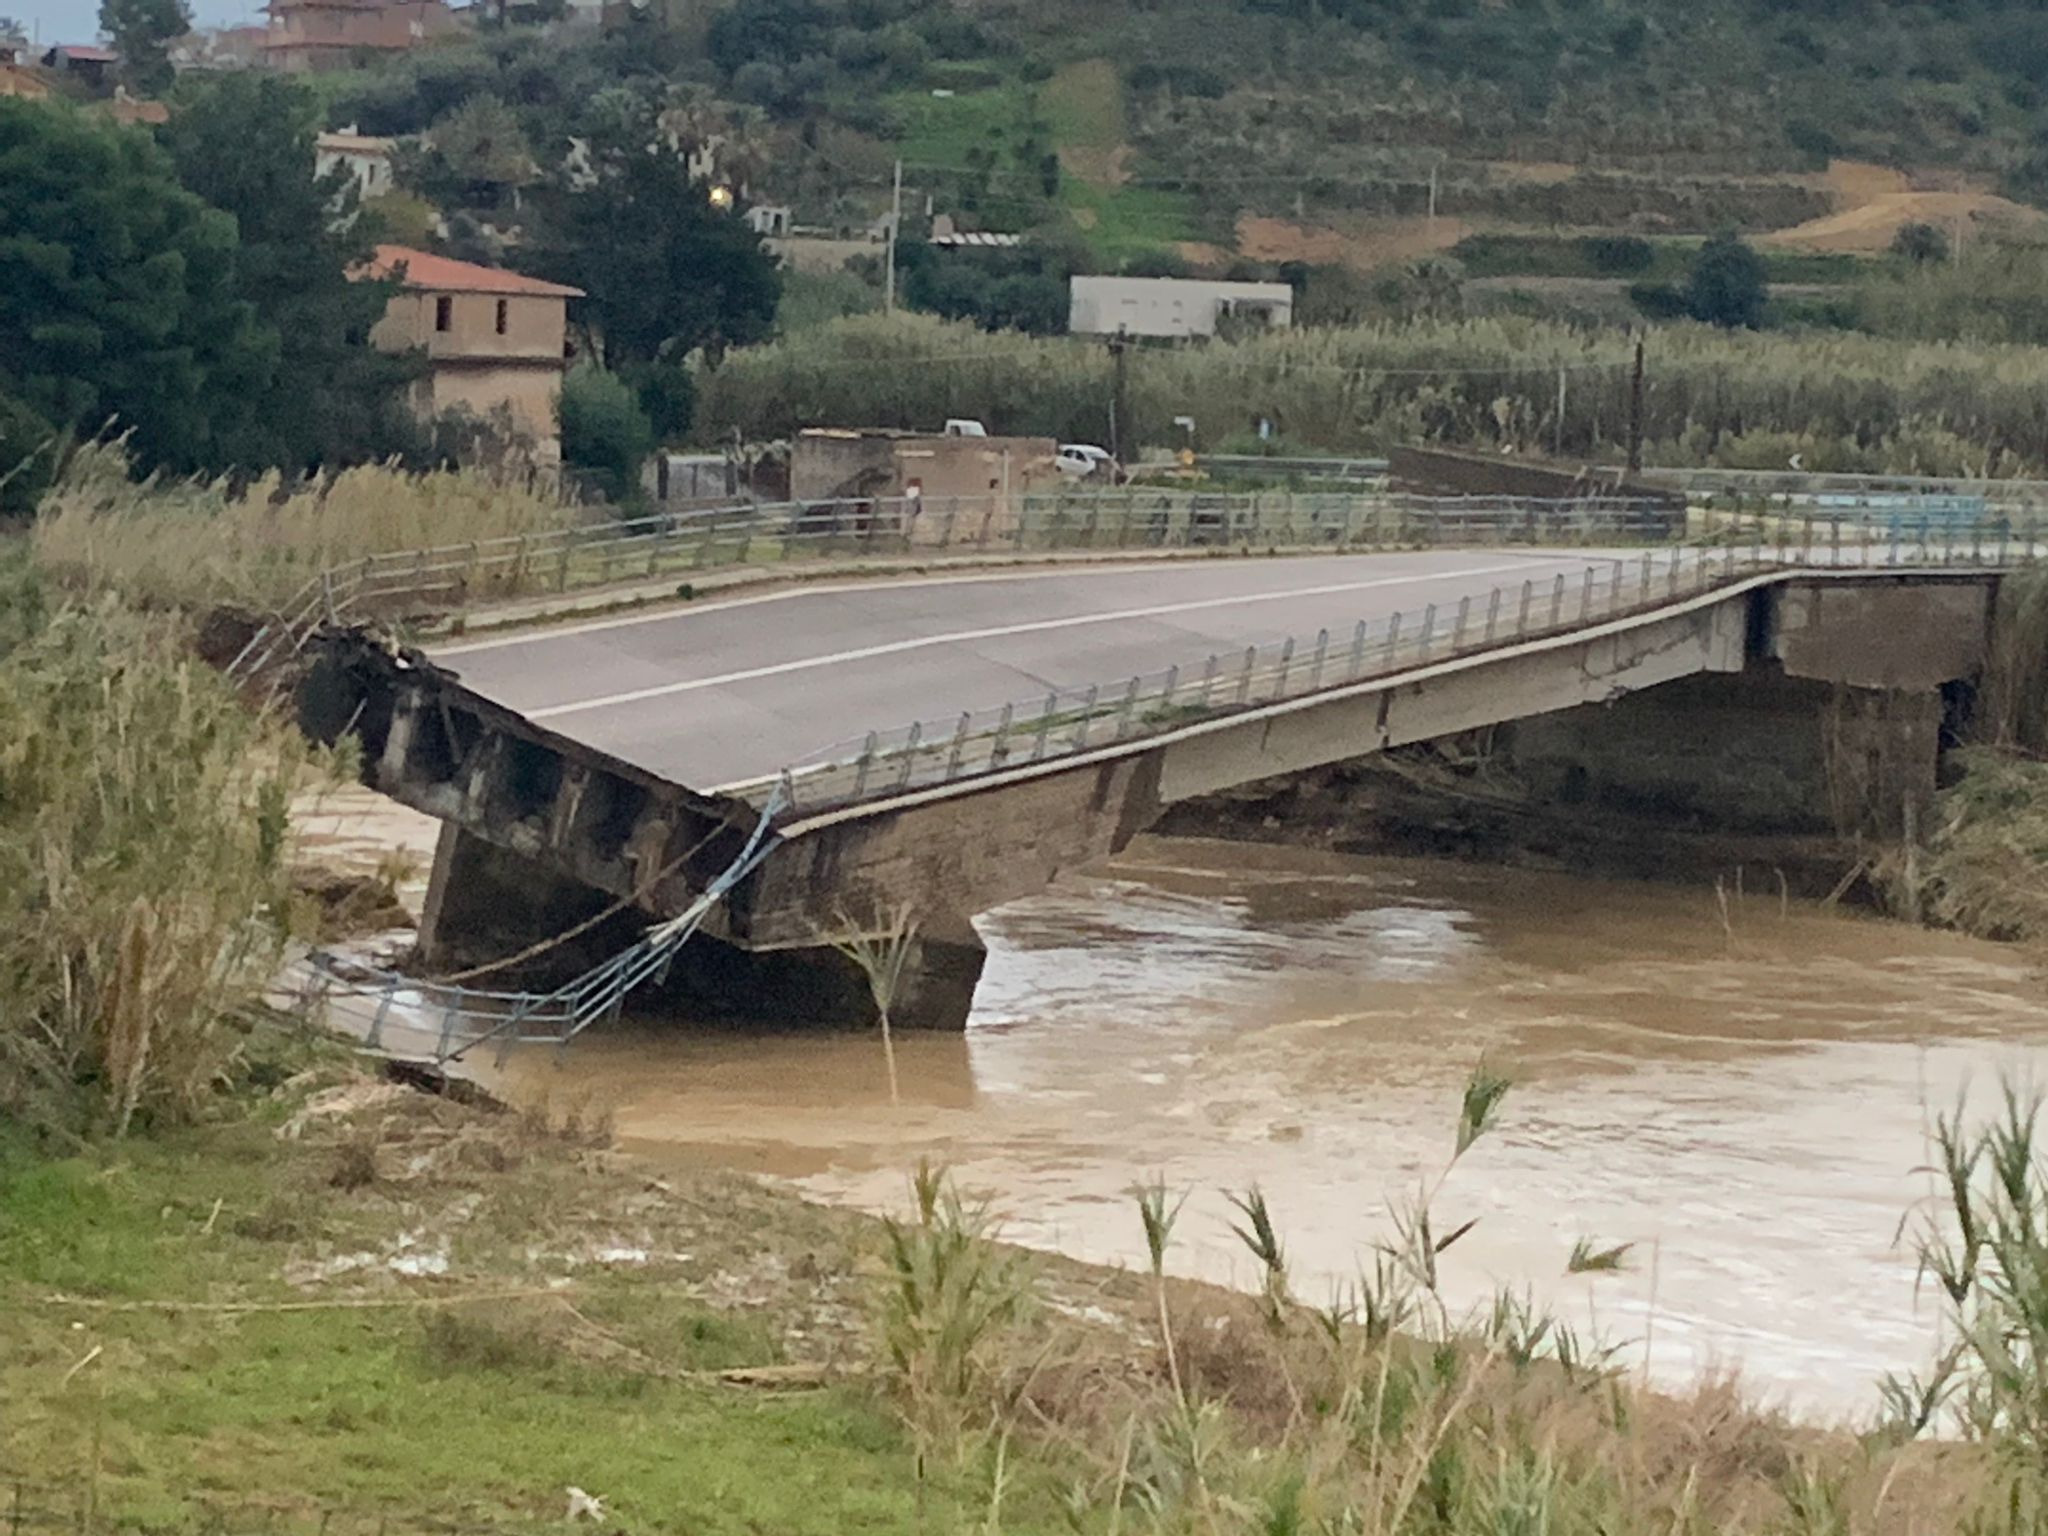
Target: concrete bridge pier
(486, 903)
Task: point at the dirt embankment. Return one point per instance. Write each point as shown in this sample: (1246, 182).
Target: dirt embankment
(1874, 202)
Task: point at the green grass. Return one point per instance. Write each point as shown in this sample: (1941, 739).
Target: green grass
(477, 1413)
(937, 132)
(1130, 219)
(1495, 255)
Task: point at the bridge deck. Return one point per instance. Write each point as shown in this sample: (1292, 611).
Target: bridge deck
(713, 695)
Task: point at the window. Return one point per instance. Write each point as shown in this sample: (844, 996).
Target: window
(444, 313)
(504, 316)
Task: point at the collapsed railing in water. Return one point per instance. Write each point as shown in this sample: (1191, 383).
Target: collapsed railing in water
(406, 1018)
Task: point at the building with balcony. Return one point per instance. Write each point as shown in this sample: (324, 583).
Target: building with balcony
(310, 35)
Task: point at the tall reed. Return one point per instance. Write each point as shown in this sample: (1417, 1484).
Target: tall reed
(199, 542)
(1841, 401)
(143, 891)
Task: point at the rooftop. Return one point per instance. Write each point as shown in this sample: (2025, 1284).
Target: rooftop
(85, 53)
(355, 144)
(444, 274)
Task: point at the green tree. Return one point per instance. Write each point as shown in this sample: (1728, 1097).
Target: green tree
(28, 458)
(475, 157)
(244, 142)
(1726, 286)
(142, 32)
(664, 270)
(1920, 243)
(605, 434)
(117, 291)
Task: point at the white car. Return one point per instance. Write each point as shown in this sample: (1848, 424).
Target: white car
(1079, 461)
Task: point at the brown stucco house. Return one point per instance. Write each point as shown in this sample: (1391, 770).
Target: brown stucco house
(493, 339)
(309, 35)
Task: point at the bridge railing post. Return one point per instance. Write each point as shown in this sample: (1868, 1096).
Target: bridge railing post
(1244, 678)
(999, 748)
(909, 752)
(1428, 632)
(1315, 677)
(861, 767)
(1522, 612)
(1087, 716)
(1209, 679)
(959, 746)
(1393, 641)
(1130, 707)
(1492, 614)
(1286, 660)
(1357, 651)
(1458, 627)
(1052, 704)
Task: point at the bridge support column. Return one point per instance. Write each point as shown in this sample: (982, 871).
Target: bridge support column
(817, 987)
(485, 903)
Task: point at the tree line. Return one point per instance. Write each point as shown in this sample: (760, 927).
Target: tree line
(191, 289)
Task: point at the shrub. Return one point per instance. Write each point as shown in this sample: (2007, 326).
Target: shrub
(1726, 287)
(1918, 242)
(1619, 255)
(606, 436)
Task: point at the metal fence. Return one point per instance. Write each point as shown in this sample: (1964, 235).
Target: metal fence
(455, 577)
(1069, 721)
(1805, 488)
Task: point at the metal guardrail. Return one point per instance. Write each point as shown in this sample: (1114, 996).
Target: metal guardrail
(408, 1018)
(1136, 519)
(1067, 722)
(1798, 487)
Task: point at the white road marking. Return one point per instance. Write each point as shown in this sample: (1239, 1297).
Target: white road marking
(896, 647)
(809, 589)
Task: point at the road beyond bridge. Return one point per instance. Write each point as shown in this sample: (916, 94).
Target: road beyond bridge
(623, 762)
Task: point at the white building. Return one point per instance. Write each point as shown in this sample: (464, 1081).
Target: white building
(1172, 306)
(368, 160)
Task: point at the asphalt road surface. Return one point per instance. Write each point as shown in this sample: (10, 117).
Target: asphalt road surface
(724, 692)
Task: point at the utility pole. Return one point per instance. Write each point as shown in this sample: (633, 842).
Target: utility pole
(895, 223)
(1434, 166)
(1635, 412)
(1557, 433)
(1120, 398)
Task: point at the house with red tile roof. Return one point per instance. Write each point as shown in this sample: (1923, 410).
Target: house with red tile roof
(495, 341)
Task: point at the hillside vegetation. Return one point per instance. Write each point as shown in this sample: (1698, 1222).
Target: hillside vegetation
(1169, 122)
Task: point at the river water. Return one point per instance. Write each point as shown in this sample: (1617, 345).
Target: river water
(1741, 1093)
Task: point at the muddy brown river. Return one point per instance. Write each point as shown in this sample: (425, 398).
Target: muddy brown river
(1743, 1096)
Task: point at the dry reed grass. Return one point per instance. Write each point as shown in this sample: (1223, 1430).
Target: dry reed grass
(144, 893)
(1843, 401)
(194, 543)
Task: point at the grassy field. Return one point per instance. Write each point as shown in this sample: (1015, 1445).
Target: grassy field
(565, 1327)
(1078, 114)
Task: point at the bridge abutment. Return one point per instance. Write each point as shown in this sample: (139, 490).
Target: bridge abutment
(486, 903)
